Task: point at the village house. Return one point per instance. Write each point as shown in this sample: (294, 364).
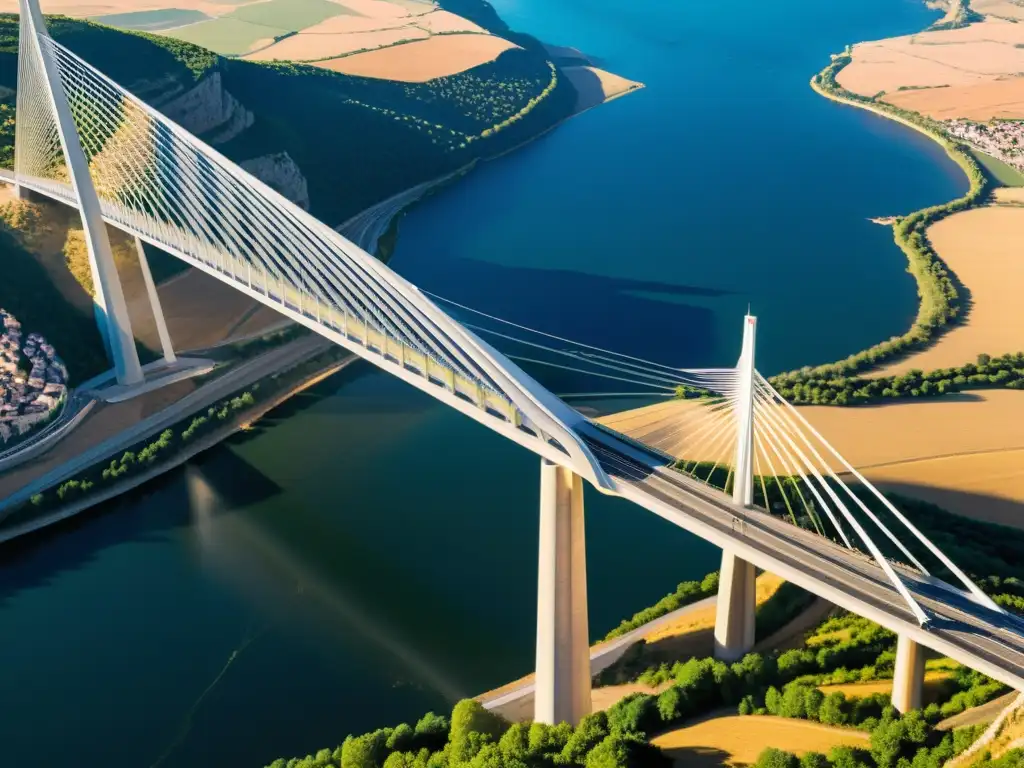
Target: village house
(33, 379)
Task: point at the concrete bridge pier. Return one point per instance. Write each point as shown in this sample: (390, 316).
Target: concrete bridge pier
(908, 680)
(735, 611)
(562, 682)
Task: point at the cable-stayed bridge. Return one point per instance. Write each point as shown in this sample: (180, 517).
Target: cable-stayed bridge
(85, 141)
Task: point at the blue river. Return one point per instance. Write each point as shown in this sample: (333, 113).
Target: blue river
(365, 555)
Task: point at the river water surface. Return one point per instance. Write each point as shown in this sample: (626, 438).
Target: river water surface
(365, 554)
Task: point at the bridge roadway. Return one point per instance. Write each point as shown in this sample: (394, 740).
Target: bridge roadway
(960, 628)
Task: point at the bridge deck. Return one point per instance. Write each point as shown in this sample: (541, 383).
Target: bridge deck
(959, 628)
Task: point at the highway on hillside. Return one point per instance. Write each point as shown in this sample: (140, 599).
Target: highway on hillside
(973, 634)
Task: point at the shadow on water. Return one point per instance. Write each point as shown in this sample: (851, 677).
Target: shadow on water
(301, 402)
(161, 505)
(144, 514)
(307, 565)
(652, 319)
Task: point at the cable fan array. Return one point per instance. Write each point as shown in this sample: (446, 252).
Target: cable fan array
(157, 182)
(826, 484)
(154, 178)
(797, 473)
(653, 379)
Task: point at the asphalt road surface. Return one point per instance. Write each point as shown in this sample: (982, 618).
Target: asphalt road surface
(971, 633)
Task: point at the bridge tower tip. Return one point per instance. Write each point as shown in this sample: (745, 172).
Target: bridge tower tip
(743, 482)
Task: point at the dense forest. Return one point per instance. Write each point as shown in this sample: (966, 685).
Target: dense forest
(356, 140)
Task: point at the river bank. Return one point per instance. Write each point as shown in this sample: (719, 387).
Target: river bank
(240, 421)
(977, 468)
(942, 299)
(375, 229)
(898, 78)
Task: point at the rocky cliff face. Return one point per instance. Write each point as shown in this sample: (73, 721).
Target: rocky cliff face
(282, 174)
(206, 109)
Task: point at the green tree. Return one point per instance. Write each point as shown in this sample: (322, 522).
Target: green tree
(776, 758)
(773, 701)
(897, 737)
(401, 738)
(747, 706)
(833, 709)
(366, 751)
(755, 671)
(793, 702)
(701, 681)
(710, 583)
(796, 662)
(398, 760)
(591, 731)
(625, 750)
(431, 731)
(548, 741)
(489, 756)
(637, 713)
(813, 760)
(813, 700)
(849, 757)
(672, 704)
(515, 742)
(472, 726)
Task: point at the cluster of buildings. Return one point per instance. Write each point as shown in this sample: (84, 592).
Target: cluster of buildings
(1002, 139)
(33, 379)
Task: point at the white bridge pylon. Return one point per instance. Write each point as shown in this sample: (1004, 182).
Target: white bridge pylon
(83, 139)
(773, 442)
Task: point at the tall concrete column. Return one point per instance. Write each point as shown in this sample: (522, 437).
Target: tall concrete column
(562, 689)
(743, 477)
(736, 608)
(110, 305)
(908, 680)
(154, 303)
